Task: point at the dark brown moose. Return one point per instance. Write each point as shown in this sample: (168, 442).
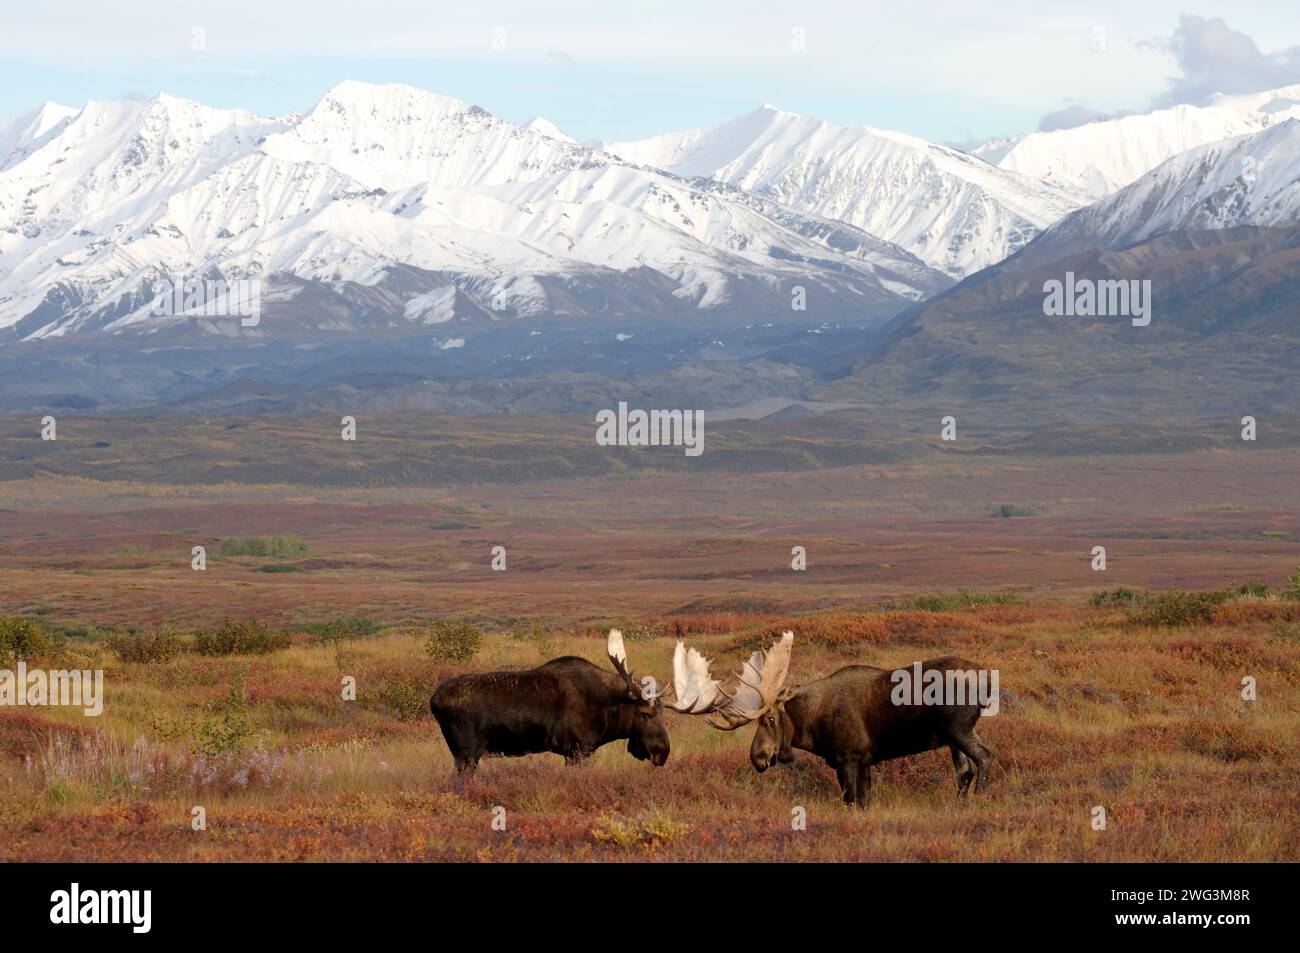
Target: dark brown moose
(568, 706)
(852, 718)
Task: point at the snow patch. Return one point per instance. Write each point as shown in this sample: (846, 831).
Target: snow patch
(432, 307)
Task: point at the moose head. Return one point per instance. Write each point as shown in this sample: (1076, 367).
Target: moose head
(641, 707)
(760, 697)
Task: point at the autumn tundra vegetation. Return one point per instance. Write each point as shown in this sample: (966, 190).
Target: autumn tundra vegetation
(277, 704)
(1127, 701)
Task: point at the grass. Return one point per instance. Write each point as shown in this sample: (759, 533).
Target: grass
(1098, 708)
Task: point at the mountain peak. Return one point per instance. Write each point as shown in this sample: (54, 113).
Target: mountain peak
(41, 118)
(51, 108)
(953, 212)
(1099, 158)
(19, 137)
(547, 128)
(392, 97)
(769, 112)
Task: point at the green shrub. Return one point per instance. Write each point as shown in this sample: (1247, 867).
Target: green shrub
(280, 546)
(172, 728)
(1008, 510)
(1256, 590)
(341, 627)
(1293, 586)
(22, 638)
(248, 637)
(453, 641)
(961, 599)
(226, 727)
(642, 631)
(537, 634)
(403, 697)
(1177, 607)
(80, 631)
(1123, 596)
(157, 645)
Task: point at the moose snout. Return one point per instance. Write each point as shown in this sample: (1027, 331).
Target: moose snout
(762, 753)
(658, 749)
(653, 748)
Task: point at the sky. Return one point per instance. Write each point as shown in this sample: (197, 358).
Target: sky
(945, 70)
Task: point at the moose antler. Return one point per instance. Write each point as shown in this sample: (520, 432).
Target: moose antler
(761, 681)
(618, 656)
(695, 690)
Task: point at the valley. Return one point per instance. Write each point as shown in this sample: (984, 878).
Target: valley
(917, 553)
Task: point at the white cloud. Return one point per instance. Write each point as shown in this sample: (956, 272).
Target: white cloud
(1214, 58)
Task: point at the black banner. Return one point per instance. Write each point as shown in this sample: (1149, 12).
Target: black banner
(330, 902)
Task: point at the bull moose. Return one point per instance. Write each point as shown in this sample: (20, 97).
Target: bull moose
(570, 707)
(852, 719)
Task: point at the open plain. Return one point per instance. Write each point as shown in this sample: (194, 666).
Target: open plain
(1131, 701)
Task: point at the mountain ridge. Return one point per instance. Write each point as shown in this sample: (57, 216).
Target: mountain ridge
(377, 177)
(955, 212)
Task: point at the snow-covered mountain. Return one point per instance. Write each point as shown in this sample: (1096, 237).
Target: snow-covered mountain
(20, 137)
(954, 211)
(548, 128)
(1099, 158)
(393, 207)
(1246, 180)
(388, 204)
(1281, 103)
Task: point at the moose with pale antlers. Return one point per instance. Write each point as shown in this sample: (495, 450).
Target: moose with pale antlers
(851, 718)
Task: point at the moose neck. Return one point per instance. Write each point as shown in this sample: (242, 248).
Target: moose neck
(619, 720)
(794, 732)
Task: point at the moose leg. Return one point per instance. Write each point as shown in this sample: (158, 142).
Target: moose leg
(975, 749)
(864, 784)
(984, 765)
(965, 772)
(576, 755)
(855, 780)
(847, 772)
(466, 765)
